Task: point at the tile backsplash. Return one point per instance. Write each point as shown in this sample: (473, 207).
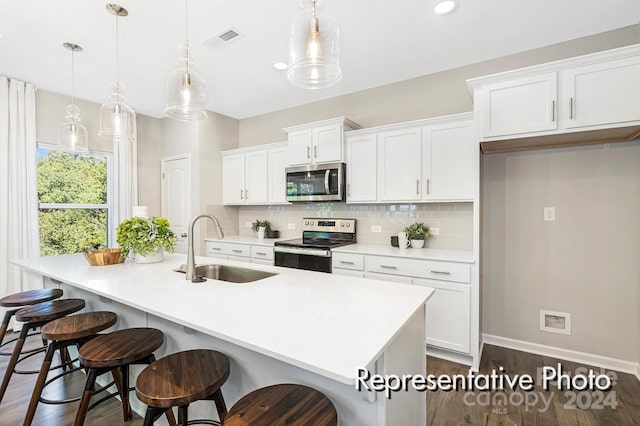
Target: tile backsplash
(455, 220)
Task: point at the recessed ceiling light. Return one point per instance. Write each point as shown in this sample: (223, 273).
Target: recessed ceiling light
(443, 7)
(280, 66)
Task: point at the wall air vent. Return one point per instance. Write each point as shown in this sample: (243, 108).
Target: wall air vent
(223, 37)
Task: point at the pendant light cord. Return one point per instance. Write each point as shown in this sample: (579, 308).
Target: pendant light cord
(118, 56)
(73, 88)
(186, 32)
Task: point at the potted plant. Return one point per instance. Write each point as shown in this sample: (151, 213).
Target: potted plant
(417, 233)
(146, 237)
(261, 227)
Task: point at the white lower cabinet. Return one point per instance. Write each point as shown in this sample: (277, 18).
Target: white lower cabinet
(448, 314)
(239, 252)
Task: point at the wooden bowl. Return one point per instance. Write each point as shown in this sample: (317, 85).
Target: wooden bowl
(102, 257)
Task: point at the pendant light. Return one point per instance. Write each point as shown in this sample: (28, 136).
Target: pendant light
(117, 119)
(72, 136)
(314, 54)
(185, 87)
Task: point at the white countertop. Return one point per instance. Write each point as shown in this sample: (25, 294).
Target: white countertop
(463, 256)
(328, 324)
(254, 241)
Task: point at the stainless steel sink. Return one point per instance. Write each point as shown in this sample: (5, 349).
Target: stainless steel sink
(231, 274)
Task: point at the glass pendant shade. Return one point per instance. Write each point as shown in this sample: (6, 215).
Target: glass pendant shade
(185, 90)
(117, 119)
(314, 54)
(72, 136)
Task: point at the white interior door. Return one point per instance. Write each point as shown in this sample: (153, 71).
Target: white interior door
(176, 196)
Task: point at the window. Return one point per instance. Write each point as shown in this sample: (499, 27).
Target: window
(74, 201)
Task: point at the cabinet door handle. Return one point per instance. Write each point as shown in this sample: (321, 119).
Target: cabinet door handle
(246, 194)
(315, 151)
(428, 186)
(388, 267)
(261, 253)
(417, 186)
(308, 151)
(571, 116)
(237, 251)
(441, 272)
(553, 110)
(241, 194)
(349, 189)
(216, 248)
(344, 262)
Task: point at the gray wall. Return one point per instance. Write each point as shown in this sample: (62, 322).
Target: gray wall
(585, 263)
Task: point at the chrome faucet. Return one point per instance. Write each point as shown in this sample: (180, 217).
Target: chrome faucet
(191, 262)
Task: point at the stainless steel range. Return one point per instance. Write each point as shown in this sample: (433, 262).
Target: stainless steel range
(313, 251)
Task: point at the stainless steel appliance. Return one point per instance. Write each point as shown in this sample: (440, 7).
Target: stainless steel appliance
(316, 182)
(313, 251)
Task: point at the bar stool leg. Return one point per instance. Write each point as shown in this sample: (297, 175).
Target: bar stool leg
(183, 415)
(37, 390)
(126, 407)
(13, 360)
(5, 324)
(86, 397)
(218, 399)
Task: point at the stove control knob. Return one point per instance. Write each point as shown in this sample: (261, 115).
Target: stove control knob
(341, 224)
(306, 222)
(348, 225)
(311, 223)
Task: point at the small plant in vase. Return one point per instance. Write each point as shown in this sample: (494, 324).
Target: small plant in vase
(261, 227)
(146, 237)
(417, 233)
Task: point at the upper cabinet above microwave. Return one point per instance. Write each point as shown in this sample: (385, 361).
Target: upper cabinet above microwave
(588, 99)
(318, 142)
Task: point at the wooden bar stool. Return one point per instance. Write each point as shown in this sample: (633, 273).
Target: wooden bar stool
(74, 330)
(116, 351)
(35, 316)
(283, 404)
(179, 379)
(19, 300)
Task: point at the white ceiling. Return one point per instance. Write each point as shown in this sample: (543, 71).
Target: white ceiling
(382, 41)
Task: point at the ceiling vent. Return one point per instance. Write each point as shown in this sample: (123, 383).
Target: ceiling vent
(224, 37)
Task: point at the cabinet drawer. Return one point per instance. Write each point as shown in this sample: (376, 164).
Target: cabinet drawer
(447, 271)
(348, 261)
(388, 277)
(231, 249)
(262, 252)
(395, 266)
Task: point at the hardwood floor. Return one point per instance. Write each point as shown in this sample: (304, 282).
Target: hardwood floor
(552, 407)
(537, 407)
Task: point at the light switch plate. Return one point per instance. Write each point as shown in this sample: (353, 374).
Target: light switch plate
(291, 226)
(549, 214)
(376, 228)
(434, 231)
(247, 224)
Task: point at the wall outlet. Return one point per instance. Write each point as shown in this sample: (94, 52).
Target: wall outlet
(434, 231)
(248, 224)
(549, 214)
(291, 226)
(376, 228)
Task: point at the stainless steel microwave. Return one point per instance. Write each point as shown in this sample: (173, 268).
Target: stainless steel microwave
(316, 182)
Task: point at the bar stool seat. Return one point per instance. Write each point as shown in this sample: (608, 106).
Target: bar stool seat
(74, 330)
(179, 379)
(283, 405)
(116, 350)
(25, 298)
(35, 316)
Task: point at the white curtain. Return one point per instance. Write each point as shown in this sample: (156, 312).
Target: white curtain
(125, 176)
(19, 236)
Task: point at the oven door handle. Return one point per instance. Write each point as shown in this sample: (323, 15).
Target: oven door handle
(302, 251)
(327, 190)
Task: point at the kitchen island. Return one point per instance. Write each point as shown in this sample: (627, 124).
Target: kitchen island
(297, 326)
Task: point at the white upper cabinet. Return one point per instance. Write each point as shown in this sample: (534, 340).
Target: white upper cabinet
(449, 166)
(580, 100)
(319, 142)
(254, 175)
(421, 161)
(361, 168)
(400, 165)
(603, 93)
(278, 159)
(520, 106)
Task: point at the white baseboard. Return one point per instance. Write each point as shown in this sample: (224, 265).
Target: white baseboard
(567, 354)
(449, 356)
